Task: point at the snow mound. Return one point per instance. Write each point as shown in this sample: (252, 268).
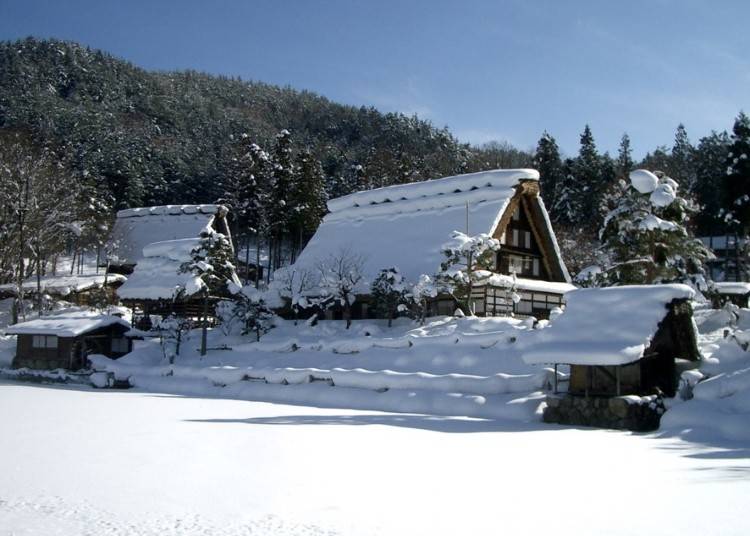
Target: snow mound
(663, 195)
(643, 180)
(654, 223)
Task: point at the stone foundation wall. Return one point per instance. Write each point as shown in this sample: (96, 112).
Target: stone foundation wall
(41, 363)
(636, 413)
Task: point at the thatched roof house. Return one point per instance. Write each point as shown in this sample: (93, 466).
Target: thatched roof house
(135, 228)
(407, 225)
(74, 288)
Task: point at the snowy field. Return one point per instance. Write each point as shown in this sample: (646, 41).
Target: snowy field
(466, 452)
(81, 461)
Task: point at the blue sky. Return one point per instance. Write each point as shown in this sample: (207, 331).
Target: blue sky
(504, 70)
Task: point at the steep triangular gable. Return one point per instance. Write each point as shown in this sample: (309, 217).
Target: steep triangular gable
(528, 201)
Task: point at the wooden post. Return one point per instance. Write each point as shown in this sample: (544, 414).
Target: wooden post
(204, 334)
(617, 375)
(555, 391)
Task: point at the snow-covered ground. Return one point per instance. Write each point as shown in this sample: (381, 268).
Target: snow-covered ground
(80, 461)
(465, 454)
(466, 367)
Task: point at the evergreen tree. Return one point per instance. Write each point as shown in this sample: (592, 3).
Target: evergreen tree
(682, 165)
(737, 180)
(659, 159)
(625, 162)
(569, 200)
(211, 261)
(547, 161)
(389, 294)
(710, 168)
(646, 237)
(307, 199)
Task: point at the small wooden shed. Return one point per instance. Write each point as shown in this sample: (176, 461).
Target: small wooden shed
(67, 339)
(626, 340)
(736, 292)
(625, 347)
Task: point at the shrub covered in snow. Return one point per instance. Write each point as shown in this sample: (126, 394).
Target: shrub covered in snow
(469, 261)
(389, 294)
(341, 278)
(247, 310)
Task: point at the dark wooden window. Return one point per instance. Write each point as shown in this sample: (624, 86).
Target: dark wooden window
(120, 345)
(44, 341)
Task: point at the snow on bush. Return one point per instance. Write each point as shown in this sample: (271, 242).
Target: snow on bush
(643, 180)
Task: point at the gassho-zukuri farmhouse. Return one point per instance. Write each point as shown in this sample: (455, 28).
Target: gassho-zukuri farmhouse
(406, 226)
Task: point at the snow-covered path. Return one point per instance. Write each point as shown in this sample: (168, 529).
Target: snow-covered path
(76, 461)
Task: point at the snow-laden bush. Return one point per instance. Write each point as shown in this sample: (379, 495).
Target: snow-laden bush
(390, 294)
(469, 261)
(247, 312)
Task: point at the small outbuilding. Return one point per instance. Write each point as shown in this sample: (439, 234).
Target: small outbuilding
(737, 293)
(630, 341)
(65, 340)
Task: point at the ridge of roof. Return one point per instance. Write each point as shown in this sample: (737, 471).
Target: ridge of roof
(496, 178)
(170, 210)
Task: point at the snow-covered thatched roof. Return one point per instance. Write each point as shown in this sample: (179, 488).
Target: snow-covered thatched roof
(158, 274)
(603, 326)
(406, 225)
(135, 228)
(66, 324)
(64, 284)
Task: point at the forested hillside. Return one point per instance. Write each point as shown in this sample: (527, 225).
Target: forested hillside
(151, 138)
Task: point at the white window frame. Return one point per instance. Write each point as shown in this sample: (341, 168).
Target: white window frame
(527, 239)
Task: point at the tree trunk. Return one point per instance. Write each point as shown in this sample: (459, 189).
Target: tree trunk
(204, 333)
(257, 260)
(347, 312)
(247, 260)
(38, 280)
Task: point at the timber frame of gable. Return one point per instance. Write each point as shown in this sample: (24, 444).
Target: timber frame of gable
(527, 197)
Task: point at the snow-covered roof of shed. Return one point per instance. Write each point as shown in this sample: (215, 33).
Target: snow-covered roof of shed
(732, 287)
(406, 225)
(136, 227)
(603, 326)
(66, 324)
(157, 275)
